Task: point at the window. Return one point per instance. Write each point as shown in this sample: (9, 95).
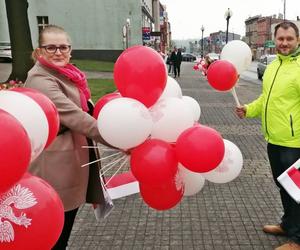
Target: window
(42, 21)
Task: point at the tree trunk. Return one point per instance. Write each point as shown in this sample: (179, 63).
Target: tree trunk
(20, 38)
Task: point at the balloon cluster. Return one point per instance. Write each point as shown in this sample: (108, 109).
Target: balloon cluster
(223, 74)
(29, 123)
(169, 149)
(201, 66)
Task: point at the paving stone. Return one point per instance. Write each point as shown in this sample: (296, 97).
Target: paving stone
(220, 216)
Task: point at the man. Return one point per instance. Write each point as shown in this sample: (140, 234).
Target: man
(279, 109)
(176, 59)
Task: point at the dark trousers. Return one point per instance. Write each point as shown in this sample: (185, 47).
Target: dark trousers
(62, 242)
(176, 69)
(170, 68)
(281, 158)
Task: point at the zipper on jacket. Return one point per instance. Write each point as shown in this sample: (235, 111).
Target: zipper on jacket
(291, 122)
(267, 102)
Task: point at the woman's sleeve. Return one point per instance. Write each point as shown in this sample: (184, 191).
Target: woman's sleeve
(70, 115)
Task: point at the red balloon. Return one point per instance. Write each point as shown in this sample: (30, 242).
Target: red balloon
(32, 215)
(200, 148)
(140, 73)
(196, 67)
(49, 109)
(15, 151)
(102, 101)
(154, 162)
(162, 198)
(222, 75)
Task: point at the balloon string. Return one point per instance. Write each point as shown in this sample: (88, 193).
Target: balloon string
(235, 97)
(89, 146)
(109, 156)
(112, 164)
(109, 149)
(102, 148)
(123, 163)
(90, 163)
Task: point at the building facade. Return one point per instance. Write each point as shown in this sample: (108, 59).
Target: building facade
(260, 33)
(99, 30)
(217, 40)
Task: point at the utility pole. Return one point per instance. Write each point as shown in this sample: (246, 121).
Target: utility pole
(284, 7)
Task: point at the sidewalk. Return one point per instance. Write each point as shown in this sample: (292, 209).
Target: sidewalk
(221, 216)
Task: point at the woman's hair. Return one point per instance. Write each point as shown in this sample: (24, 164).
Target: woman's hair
(285, 25)
(51, 28)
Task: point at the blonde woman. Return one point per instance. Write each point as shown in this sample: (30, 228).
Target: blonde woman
(60, 164)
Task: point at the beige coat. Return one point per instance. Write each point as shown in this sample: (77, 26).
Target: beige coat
(60, 164)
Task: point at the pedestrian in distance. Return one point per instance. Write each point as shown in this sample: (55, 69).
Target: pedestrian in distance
(169, 62)
(60, 164)
(176, 59)
(279, 109)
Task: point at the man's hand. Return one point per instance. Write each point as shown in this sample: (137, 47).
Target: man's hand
(241, 111)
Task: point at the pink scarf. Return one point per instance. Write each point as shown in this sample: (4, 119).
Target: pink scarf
(74, 75)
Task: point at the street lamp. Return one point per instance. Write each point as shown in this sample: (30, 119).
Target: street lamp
(202, 29)
(227, 16)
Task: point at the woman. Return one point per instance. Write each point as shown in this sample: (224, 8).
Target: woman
(60, 164)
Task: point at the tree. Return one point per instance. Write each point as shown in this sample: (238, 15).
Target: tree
(20, 38)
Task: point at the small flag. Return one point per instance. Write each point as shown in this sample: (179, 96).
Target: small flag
(122, 185)
(290, 180)
(102, 210)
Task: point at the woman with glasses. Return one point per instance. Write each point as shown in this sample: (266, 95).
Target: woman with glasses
(60, 164)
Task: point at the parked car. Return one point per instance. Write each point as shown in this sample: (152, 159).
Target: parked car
(188, 57)
(262, 64)
(5, 50)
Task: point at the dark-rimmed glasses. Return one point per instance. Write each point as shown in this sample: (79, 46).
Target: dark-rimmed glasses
(51, 48)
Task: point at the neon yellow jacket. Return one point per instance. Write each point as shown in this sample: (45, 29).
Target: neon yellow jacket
(279, 104)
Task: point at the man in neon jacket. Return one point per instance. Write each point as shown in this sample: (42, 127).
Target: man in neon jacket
(279, 109)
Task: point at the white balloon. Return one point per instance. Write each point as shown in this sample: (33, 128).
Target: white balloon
(30, 115)
(172, 89)
(193, 182)
(229, 168)
(238, 53)
(124, 122)
(194, 106)
(171, 116)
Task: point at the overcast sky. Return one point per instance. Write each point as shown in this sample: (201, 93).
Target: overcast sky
(187, 16)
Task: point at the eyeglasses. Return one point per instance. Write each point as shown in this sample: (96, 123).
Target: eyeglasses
(51, 49)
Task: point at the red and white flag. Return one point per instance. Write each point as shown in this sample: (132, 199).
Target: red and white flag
(122, 185)
(290, 180)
